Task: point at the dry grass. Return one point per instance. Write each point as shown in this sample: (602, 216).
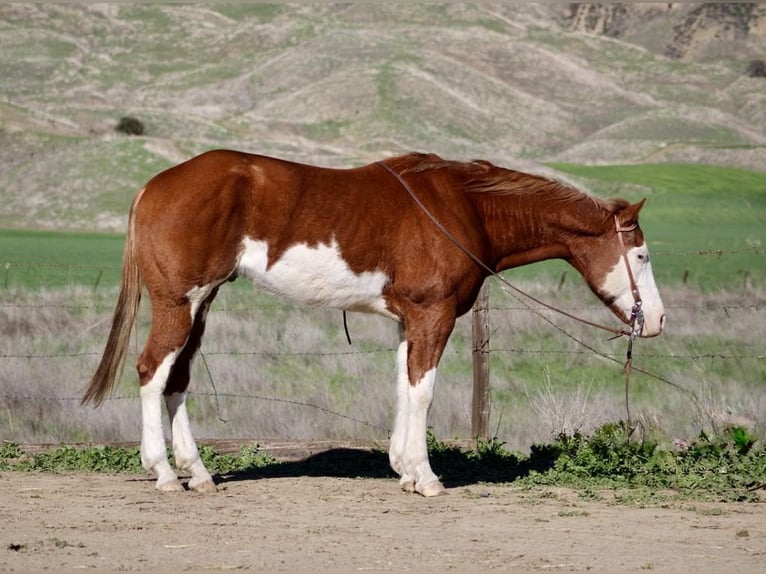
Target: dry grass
(275, 372)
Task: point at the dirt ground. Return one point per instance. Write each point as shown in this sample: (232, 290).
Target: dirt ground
(323, 523)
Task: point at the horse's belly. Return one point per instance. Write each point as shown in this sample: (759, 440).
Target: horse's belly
(314, 276)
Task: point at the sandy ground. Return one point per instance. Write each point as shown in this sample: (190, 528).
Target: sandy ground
(321, 523)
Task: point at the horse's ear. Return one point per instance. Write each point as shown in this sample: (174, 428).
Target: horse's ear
(628, 217)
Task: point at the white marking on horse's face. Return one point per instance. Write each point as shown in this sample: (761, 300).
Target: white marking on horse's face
(616, 287)
(314, 276)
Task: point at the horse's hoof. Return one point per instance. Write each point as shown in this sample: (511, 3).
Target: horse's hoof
(204, 487)
(434, 488)
(408, 486)
(173, 485)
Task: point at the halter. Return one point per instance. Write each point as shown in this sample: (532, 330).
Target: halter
(636, 315)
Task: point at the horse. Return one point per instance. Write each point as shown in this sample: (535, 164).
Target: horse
(411, 238)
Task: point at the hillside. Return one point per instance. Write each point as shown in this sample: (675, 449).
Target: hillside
(517, 84)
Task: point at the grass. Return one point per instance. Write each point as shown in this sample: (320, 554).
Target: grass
(706, 224)
(727, 467)
(49, 259)
(272, 371)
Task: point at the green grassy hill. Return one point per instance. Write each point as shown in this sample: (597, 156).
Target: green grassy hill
(706, 223)
(343, 85)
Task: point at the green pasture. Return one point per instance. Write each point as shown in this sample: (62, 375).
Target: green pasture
(706, 226)
(50, 259)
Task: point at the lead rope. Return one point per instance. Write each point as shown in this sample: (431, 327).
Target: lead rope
(636, 317)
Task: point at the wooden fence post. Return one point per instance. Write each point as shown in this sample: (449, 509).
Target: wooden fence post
(480, 406)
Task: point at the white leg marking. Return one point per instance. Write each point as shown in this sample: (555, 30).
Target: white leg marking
(415, 448)
(153, 450)
(184, 448)
(408, 451)
(399, 435)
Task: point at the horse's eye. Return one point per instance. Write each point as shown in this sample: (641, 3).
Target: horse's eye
(642, 257)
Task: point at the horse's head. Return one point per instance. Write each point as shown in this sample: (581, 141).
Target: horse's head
(616, 265)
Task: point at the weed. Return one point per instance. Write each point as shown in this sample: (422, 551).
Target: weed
(726, 467)
(10, 450)
(108, 459)
(250, 458)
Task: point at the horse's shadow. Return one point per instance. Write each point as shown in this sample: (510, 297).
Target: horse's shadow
(455, 467)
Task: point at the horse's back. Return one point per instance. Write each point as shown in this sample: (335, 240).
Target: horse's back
(346, 231)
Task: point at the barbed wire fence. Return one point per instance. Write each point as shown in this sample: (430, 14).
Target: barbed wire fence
(753, 308)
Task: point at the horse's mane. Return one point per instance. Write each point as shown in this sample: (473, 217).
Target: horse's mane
(480, 176)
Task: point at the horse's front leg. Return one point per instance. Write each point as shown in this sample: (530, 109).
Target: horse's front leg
(423, 340)
(398, 440)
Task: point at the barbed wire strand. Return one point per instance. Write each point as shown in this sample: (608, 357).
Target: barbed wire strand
(216, 396)
(696, 356)
(611, 358)
(525, 307)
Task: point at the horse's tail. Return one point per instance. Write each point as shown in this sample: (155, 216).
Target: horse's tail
(113, 360)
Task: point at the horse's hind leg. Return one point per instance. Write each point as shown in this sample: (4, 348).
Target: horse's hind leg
(170, 331)
(185, 449)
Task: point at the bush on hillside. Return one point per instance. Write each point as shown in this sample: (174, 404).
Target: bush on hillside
(756, 69)
(130, 126)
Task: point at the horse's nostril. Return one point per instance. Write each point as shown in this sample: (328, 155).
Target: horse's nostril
(662, 323)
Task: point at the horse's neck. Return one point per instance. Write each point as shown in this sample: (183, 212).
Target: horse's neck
(523, 228)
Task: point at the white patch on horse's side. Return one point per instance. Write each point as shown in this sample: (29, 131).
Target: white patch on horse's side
(314, 276)
(153, 451)
(617, 284)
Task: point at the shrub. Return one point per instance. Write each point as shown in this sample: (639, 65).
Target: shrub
(130, 126)
(756, 69)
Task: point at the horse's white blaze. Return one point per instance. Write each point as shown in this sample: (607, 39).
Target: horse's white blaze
(153, 452)
(617, 284)
(314, 276)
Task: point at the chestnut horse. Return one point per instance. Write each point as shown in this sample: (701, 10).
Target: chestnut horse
(411, 238)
